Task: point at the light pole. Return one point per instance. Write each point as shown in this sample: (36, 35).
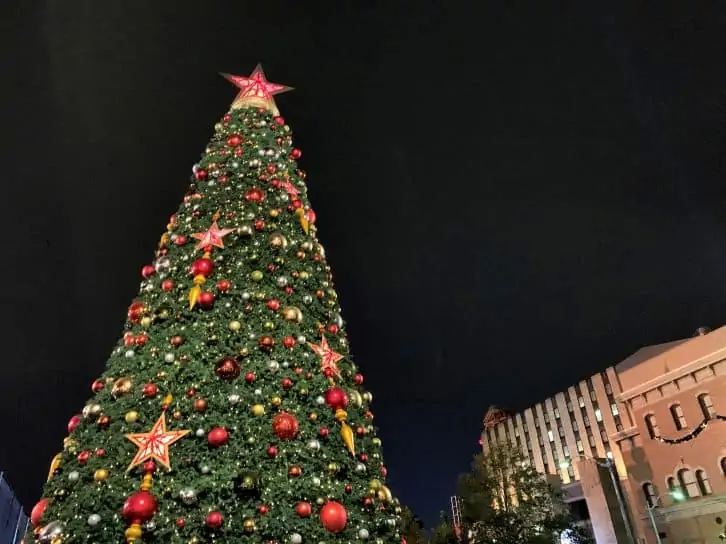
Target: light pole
(652, 505)
(610, 465)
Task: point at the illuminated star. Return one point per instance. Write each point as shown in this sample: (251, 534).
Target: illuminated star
(213, 237)
(328, 358)
(255, 90)
(154, 445)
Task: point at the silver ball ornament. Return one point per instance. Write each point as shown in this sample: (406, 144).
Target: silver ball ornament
(295, 538)
(188, 495)
(360, 468)
(129, 354)
(50, 532)
(233, 399)
(205, 469)
(314, 445)
(320, 400)
(94, 519)
(316, 480)
(363, 534)
(74, 476)
(200, 433)
(169, 357)
(273, 365)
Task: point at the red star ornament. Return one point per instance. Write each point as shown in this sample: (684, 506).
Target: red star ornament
(328, 358)
(255, 90)
(212, 237)
(154, 445)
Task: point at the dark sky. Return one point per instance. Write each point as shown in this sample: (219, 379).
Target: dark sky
(511, 197)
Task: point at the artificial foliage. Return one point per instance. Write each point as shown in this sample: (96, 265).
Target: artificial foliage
(230, 410)
(505, 500)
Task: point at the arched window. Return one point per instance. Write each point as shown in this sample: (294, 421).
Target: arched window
(652, 425)
(722, 464)
(702, 480)
(650, 494)
(687, 483)
(678, 418)
(671, 483)
(706, 404)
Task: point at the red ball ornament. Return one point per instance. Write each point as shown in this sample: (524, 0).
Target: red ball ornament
(295, 154)
(303, 509)
(129, 339)
(74, 422)
(336, 398)
(333, 516)
(214, 520)
(227, 369)
(218, 437)
(100, 452)
(139, 507)
(148, 271)
(234, 140)
(141, 340)
(255, 195)
(200, 174)
(272, 451)
(97, 385)
(180, 240)
(348, 488)
(180, 522)
(279, 120)
(37, 512)
(259, 224)
(200, 405)
(286, 383)
(273, 305)
(333, 328)
(202, 267)
(167, 285)
(311, 217)
(176, 341)
(266, 343)
(263, 509)
(323, 432)
(206, 299)
(250, 377)
(150, 390)
(83, 457)
(288, 342)
(149, 467)
(359, 379)
(223, 286)
(271, 168)
(285, 426)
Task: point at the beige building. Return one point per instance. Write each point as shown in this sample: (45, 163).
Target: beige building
(628, 417)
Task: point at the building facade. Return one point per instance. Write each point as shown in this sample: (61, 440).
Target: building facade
(13, 519)
(621, 441)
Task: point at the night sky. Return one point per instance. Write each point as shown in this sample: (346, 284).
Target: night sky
(511, 198)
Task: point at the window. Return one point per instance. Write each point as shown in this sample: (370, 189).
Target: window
(574, 426)
(722, 463)
(580, 447)
(557, 413)
(566, 451)
(598, 414)
(581, 402)
(569, 406)
(608, 388)
(678, 418)
(687, 483)
(591, 440)
(561, 431)
(546, 417)
(586, 421)
(536, 422)
(609, 454)
(614, 409)
(571, 471)
(551, 436)
(702, 480)
(704, 401)
(516, 431)
(652, 425)
(650, 494)
(671, 482)
(604, 435)
(593, 396)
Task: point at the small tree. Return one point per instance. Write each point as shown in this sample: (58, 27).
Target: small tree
(505, 500)
(444, 532)
(412, 527)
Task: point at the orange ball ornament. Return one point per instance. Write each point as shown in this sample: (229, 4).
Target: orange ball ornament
(285, 426)
(333, 517)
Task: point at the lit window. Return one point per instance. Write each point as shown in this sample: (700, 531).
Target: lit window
(650, 494)
(593, 396)
(652, 425)
(702, 480)
(586, 421)
(614, 409)
(581, 402)
(609, 454)
(516, 431)
(569, 406)
(598, 415)
(571, 471)
(608, 388)
(574, 425)
(561, 431)
(706, 404)
(557, 413)
(580, 447)
(551, 436)
(678, 418)
(688, 484)
(566, 451)
(671, 481)
(591, 440)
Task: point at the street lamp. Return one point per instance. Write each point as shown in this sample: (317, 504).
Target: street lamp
(677, 495)
(610, 465)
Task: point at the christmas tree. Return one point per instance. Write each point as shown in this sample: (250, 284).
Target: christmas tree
(230, 410)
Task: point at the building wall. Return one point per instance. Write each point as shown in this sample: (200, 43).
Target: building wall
(667, 387)
(13, 520)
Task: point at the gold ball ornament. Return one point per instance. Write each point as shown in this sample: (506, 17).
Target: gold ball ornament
(376, 441)
(131, 417)
(355, 397)
(256, 275)
(333, 467)
(92, 411)
(292, 314)
(368, 397)
(121, 387)
(278, 240)
(257, 410)
(269, 325)
(276, 401)
(304, 275)
(101, 475)
(146, 322)
(234, 326)
(249, 525)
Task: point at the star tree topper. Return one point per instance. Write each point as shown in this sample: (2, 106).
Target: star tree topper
(154, 445)
(213, 237)
(328, 358)
(255, 90)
